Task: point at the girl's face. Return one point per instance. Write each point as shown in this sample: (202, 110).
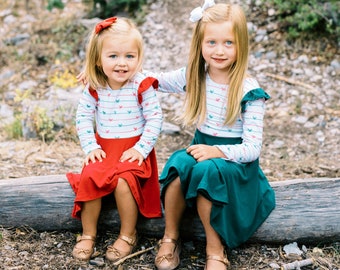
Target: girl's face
(218, 47)
(119, 60)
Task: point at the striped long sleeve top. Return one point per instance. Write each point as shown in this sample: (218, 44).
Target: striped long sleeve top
(249, 126)
(119, 114)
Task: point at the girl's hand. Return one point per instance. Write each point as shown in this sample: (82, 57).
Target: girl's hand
(97, 154)
(132, 155)
(202, 152)
(81, 78)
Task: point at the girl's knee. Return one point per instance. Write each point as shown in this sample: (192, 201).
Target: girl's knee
(176, 183)
(203, 168)
(123, 186)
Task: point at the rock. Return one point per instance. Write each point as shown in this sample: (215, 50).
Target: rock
(5, 74)
(6, 114)
(169, 128)
(300, 119)
(335, 64)
(292, 248)
(17, 40)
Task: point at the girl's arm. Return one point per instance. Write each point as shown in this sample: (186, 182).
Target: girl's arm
(250, 149)
(170, 82)
(152, 114)
(85, 122)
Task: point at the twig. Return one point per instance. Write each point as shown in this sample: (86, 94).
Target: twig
(188, 132)
(323, 261)
(297, 264)
(132, 255)
(290, 81)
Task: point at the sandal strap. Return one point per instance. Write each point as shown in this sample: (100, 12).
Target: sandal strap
(176, 244)
(167, 240)
(223, 259)
(129, 240)
(86, 237)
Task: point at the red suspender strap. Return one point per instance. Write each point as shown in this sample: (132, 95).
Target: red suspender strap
(93, 93)
(144, 85)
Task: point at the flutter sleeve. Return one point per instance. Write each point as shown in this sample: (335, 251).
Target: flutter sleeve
(253, 109)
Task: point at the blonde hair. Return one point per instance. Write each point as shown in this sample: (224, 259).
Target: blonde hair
(122, 27)
(195, 99)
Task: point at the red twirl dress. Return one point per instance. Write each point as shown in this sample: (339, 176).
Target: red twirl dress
(100, 178)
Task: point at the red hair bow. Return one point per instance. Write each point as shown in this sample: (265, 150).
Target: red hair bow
(105, 24)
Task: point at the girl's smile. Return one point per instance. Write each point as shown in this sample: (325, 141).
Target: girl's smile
(219, 60)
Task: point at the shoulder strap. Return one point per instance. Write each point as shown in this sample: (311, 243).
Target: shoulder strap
(145, 85)
(93, 93)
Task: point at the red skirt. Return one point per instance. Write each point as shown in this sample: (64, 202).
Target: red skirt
(100, 178)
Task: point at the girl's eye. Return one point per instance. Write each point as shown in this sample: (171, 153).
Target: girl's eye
(229, 43)
(211, 42)
(113, 56)
(130, 56)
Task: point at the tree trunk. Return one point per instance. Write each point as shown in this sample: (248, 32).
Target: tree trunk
(306, 210)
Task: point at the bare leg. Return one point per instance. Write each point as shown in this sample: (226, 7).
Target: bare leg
(128, 213)
(174, 208)
(89, 219)
(214, 244)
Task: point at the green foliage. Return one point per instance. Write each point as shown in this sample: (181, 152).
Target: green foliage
(36, 120)
(55, 4)
(42, 124)
(107, 8)
(128, 6)
(308, 17)
(14, 129)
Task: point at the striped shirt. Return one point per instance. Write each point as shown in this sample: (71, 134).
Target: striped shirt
(249, 126)
(118, 114)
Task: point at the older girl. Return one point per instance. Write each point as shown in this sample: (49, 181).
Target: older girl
(219, 172)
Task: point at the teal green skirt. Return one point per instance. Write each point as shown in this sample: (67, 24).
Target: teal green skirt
(241, 195)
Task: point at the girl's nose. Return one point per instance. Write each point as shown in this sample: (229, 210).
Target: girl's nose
(121, 61)
(220, 51)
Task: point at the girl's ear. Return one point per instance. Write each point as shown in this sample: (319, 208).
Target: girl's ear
(98, 63)
(98, 68)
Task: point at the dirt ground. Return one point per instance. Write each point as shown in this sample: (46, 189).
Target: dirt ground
(290, 152)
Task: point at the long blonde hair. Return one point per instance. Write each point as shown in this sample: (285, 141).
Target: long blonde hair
(195, 99)
(121, 27)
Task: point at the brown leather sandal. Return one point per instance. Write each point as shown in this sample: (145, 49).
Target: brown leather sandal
(113, 254)
(84, 254)
(223, 260)
(168, 261)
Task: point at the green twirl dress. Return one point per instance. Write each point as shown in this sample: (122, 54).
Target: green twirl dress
(241, 195)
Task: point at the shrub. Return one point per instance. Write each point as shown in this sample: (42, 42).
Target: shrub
(308, 17)
(14, 129)
(108, 8)
(64, 79)
(55, 4)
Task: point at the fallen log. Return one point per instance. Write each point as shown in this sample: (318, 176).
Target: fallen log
(306, 210)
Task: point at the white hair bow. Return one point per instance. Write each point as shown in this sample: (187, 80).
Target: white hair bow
(197, 13)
